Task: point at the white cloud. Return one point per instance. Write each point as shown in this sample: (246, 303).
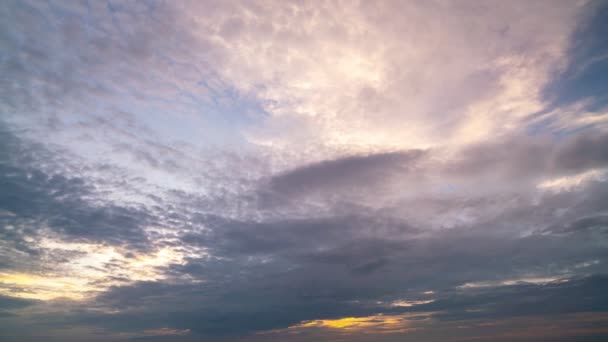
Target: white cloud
(392, 74)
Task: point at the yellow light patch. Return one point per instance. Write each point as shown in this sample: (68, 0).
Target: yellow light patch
(42, 287)
(569, 182)
(376, 324)
(88, 273)
(353, 322)
(409, 303)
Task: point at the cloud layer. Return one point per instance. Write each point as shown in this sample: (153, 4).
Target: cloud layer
(306, 171)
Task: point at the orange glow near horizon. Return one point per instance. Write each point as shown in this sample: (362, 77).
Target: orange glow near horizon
(375, 324)
(87, 274)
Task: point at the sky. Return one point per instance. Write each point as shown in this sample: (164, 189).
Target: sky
(304, 170)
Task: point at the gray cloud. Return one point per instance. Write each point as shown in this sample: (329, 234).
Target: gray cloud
(310, 268)
(33, 199)
(583, 152)
(524, 157)
(244, 291)
(251, 238)
(53, 50)
(332, 175)
(574, 295)
(12, 302)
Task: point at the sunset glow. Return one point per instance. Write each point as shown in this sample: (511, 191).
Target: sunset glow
(303, 171)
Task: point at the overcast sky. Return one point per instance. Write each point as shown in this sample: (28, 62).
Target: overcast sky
(303, 170)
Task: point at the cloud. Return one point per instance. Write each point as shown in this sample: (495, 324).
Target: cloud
(304, 283)
(386, 87)
(343, 173)
(526, 299)
(34, 200)
(247, 71)
(587, 60)
(330, 267)
(11, 302)
(583, 152)
(251, 170)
